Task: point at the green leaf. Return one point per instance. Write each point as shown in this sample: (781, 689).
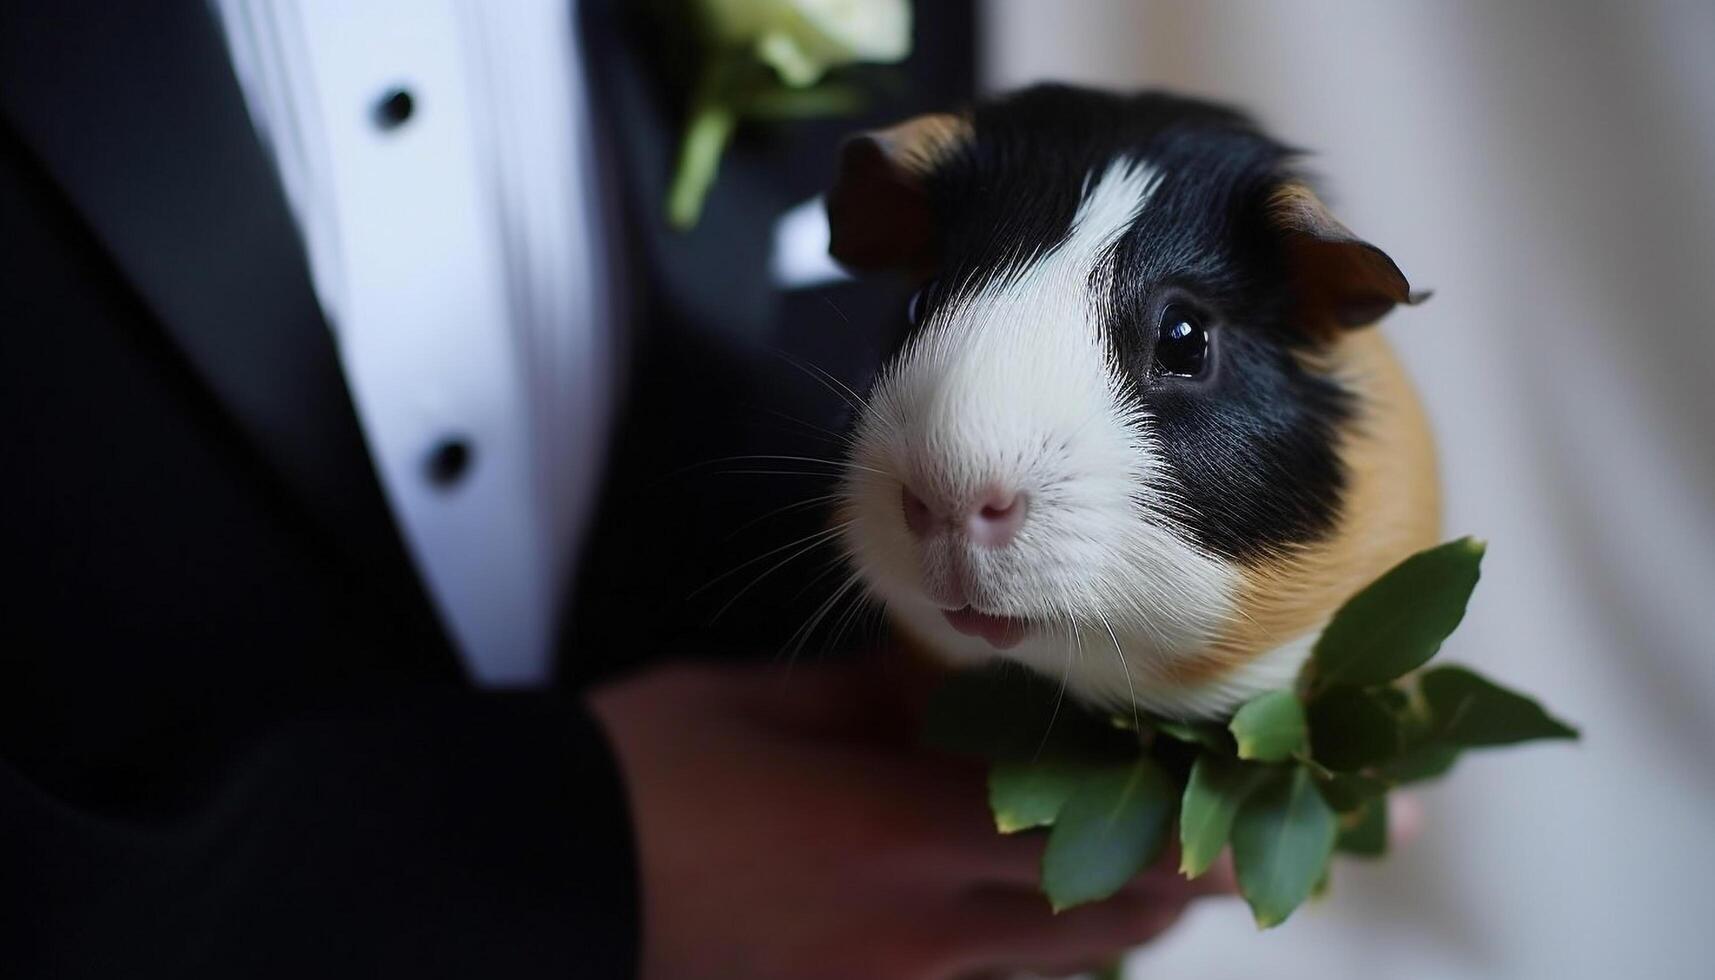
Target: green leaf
(1471, 711)
(1396, 624)
(1006, 713)
(1457, 709)
(1349, 791)
(1411, 717)
(1208, 734)
(1393, 698)
(1270, 727)
(1217, 789)
(1282, 840)
(1428, 761)
(1317, 769)
(1023, 795)
(1351, 729)
(1364, 832)
(1110, 829)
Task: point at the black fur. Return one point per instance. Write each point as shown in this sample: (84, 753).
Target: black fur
(1252, 443)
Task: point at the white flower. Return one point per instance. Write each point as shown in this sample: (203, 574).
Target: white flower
(802, 39)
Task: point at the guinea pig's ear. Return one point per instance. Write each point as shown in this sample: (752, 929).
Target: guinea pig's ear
(1339, 277)
(878, 210)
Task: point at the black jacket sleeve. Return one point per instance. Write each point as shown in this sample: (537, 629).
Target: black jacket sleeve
(445, 835)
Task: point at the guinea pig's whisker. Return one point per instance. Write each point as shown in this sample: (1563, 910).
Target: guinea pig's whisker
(823, 432)
(1131, 692)
(749, 457)
(800, 636)
(837, 464)
(819, 540)
(781, 511)
(818, 474)
(814, 538)
(719, 468)
(795, 643)
(1065, 678)
(830, 566)
(839, 388)
(834, 469)
(1078, 652)
(849, 618)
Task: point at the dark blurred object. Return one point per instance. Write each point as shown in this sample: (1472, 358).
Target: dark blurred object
(233, 739)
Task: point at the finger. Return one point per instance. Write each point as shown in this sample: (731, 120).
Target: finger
(874, 696)
(1217, 879)
(1220, 878)
(1167, 880)
(1012, 928)
(1068, 969)
(936, 813)
(1009, 860)
(1016, 860)
(1404, 819)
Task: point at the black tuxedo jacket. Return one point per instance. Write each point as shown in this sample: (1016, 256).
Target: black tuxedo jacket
(234, 741)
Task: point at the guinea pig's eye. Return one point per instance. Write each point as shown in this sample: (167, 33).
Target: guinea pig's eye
(914, 306)
(1181, 343)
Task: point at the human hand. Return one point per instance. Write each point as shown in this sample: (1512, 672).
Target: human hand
(788, 826)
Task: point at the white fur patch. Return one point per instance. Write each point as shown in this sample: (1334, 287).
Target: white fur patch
(1217, 697)
(1015, 384)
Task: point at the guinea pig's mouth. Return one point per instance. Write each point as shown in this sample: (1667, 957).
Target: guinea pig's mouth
(1001, 632)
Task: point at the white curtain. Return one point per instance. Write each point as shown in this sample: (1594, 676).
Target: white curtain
(1548, 169)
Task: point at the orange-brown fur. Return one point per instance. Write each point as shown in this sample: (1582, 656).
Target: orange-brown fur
(1391, 510)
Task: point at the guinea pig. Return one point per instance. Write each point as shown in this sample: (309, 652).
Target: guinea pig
(1140, 433)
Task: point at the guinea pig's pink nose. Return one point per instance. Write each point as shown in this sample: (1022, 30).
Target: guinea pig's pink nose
(992, 521)
(995, 520)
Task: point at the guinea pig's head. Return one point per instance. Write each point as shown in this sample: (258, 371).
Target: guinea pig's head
(1139, 433)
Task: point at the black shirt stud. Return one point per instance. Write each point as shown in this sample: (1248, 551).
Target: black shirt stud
(449, 461)
(394, 108)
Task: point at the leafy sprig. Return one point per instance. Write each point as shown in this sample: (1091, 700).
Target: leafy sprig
(1293, 777)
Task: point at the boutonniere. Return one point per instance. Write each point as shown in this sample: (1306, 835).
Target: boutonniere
(769, 60)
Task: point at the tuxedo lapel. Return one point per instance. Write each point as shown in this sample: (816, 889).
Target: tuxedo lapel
(134, 111)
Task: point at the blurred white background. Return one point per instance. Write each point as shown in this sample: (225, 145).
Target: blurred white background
(1548, 169)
